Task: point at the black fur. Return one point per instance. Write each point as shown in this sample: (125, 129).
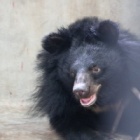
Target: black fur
(89, 41)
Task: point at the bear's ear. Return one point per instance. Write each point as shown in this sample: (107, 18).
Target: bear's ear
(108, 32)
(56, 42)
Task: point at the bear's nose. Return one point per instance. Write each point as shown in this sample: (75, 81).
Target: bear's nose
(80, 93)
(81, 85)
(80, 89)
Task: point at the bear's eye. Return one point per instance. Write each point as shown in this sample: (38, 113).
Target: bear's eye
(96, 70)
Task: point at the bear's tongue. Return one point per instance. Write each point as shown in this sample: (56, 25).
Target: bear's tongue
(88, 101)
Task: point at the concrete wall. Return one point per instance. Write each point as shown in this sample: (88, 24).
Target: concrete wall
(23, 23)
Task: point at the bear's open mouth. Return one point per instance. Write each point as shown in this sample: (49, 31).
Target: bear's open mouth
(86, 102)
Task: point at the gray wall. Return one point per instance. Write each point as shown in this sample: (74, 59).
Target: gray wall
(23, 23)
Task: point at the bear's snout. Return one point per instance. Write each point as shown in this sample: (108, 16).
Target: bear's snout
(81, 87)
(80, 90)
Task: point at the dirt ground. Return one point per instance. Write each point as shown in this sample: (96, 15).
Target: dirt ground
(15, 124)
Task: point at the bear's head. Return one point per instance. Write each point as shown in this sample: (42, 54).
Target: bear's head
(89, 61)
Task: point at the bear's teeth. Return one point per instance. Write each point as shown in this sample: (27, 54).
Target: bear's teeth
(86, 102)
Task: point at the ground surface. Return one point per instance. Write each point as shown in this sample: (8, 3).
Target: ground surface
(15, 124)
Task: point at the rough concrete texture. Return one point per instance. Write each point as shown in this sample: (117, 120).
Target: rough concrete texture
(23, 23)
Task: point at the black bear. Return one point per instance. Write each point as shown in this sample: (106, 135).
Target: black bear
(90, 80)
